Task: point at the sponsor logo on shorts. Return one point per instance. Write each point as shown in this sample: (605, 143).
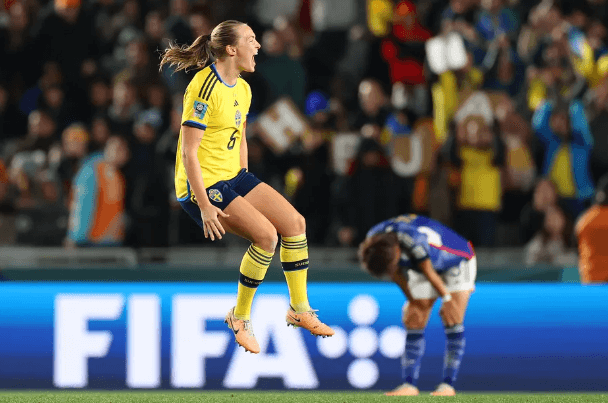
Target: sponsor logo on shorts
(215, 195)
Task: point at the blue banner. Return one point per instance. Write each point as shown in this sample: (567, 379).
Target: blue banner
(166, 335)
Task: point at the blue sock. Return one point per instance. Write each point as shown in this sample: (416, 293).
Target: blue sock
(454, 351)
(411, 360)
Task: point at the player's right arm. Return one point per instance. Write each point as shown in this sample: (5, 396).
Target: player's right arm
(191, 139)
(449, 309)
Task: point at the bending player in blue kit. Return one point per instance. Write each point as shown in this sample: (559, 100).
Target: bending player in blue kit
(426, 260)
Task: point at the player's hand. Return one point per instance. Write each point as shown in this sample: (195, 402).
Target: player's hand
(450, 313)
(211, 224)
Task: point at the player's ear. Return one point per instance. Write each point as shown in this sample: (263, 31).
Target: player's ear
(231, 50)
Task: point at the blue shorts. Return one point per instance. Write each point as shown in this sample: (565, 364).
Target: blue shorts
(221, 194)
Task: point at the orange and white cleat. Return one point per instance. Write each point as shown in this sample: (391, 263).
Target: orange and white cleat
(444, 390)
(309, 321)
(405, 389)
(243, 332)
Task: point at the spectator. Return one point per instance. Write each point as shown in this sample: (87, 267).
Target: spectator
(406, 155)
(284, 76)
(41, 134)
(592, 233)
(567, 141)
(374, 104)
(519, 172)
(496, 20)
(125, 107)
(7, 209)
(404, 49)
(549, 245)
(66, 160)
(62, 110)
(478, 153)
(100, 96)
(177, 24)
(369, 194)
(41, 219)
(100, 133)
(98, 201)
(16, 45)
(147, 201)
(67, 36)
(140, 71)
(533, 213)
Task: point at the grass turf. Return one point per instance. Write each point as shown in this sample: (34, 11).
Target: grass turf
(304, 397)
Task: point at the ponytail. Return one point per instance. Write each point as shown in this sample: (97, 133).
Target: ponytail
(203, 49)
(184, 57)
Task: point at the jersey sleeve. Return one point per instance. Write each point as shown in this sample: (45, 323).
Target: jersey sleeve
(414, 245)
(197, 106)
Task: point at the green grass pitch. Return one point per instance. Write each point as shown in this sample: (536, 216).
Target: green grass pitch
(280, 397)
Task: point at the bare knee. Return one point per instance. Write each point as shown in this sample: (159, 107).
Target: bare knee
(299, 224)
(267, 239)
(416, 316)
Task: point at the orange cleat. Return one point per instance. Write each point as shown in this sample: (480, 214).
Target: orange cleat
(309, 321)
(404, 390)
(243, 332)
(444, 390)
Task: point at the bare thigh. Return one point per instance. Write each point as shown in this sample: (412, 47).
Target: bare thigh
(247, 222)
(462, 301)
(277, 209)
(417, 312)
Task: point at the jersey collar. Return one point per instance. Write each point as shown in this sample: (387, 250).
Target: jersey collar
(220, 77)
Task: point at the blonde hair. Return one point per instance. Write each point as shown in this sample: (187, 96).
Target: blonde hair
(203, 49)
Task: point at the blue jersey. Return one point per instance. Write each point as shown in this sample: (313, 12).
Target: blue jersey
(421, 238)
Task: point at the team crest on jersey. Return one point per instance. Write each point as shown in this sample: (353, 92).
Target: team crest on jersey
(237, 118)
(215, 195)
(200, 109)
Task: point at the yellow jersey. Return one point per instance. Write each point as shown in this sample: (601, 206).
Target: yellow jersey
(220, 110)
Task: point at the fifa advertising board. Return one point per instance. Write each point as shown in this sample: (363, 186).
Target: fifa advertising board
(170, 335)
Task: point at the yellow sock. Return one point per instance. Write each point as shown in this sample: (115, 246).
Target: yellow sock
(253, 270)
(294, 258)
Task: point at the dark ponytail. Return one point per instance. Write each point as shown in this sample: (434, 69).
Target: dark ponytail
(203, 49)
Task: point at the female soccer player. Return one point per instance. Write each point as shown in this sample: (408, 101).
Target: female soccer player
(212, 182)
(426, 260)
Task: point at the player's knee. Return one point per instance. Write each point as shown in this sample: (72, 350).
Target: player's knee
(459, 318)
(299, 224)
(415, 318)
(267, 239)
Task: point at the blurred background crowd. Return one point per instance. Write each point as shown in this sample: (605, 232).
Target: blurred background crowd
(488, 115)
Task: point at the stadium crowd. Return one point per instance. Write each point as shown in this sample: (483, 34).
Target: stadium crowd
(488, 115)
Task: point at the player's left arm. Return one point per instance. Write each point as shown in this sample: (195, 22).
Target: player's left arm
(244, 151)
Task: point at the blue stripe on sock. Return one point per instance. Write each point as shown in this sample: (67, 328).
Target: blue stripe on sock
(454, 351)
(249, 282)
(415, 345)
(293, 266)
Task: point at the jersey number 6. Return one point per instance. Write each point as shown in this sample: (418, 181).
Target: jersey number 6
(232, 140)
